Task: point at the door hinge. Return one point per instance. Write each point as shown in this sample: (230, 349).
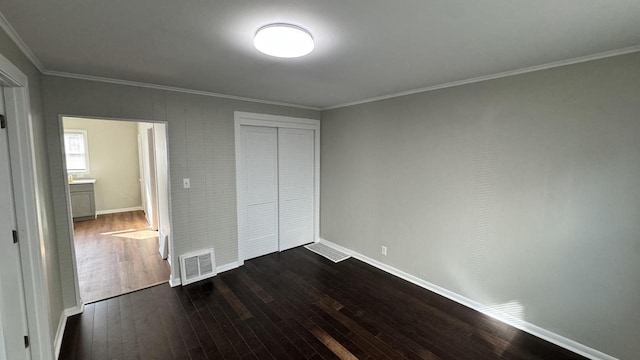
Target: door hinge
(26, 341)
(3, 122)
(15, 236)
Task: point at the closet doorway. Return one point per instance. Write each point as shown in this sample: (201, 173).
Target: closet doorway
(278, 178)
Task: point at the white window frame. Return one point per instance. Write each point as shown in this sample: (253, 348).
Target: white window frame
(87, 169)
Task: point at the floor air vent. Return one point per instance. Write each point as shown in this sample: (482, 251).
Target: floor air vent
(328, 252)
(197, 266)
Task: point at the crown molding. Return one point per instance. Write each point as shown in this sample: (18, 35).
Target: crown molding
(550, 65)
(13, 35)
(172, 88)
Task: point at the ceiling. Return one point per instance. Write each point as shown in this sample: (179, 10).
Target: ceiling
(364, 48)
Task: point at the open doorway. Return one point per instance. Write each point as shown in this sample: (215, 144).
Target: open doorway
(119, 198)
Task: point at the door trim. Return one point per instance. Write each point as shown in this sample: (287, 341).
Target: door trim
(28, 208)
(173, 276)
(254, 119)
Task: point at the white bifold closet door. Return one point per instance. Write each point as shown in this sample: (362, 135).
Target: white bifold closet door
(260, 163)
(296, 185)
(278, 167)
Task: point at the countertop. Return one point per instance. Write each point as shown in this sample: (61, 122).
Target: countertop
(83, 181)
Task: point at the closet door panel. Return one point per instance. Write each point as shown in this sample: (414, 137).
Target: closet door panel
(260, 186)
(296, 185)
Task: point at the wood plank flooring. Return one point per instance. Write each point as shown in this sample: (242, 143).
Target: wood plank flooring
(295, 305)
(110, 265)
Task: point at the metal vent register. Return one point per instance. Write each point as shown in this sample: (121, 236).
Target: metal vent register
(328, 252)
(197, 266)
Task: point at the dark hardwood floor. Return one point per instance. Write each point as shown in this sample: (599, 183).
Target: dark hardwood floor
(295, 305)
(115, 255)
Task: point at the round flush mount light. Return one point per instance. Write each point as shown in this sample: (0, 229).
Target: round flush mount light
(283, 40)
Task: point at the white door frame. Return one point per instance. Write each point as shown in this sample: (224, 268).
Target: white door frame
(67, 192)
(153, 178)
(254, 119)
(28, 208)
(162, 187)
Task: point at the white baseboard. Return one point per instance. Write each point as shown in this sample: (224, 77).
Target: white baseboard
(227, 267)
(485, 309)
(174, 281)
(113, 211)
(62, 324)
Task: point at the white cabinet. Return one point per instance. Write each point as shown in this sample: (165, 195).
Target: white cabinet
(82, 201)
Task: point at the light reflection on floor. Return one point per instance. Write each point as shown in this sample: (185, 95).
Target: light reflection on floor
(511, 312)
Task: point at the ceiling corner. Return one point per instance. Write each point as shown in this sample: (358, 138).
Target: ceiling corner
(13, 35)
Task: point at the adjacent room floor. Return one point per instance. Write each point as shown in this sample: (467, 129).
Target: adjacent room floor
(295, 305)
(116, 254)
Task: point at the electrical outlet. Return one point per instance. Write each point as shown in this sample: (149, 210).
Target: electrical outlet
(186, 183)
(384, 250)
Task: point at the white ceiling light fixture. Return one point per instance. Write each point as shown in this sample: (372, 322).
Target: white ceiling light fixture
(283, 40)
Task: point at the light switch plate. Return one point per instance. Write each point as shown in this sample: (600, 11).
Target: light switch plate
(186, 183)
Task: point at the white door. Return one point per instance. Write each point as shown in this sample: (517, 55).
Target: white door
(259, 183)
(152, 180)
(13, 315)
(143, 186)
(162, 184)
(296, 165)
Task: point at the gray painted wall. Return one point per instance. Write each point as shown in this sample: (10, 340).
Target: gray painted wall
(522, 190)
(43, 190)
(201, 147)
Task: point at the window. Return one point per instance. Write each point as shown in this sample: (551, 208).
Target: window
(76, 151)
